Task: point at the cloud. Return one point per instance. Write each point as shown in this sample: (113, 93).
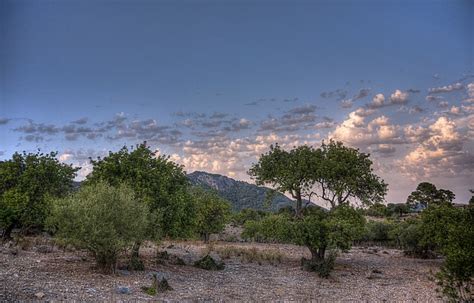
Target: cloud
(399, 97)
(338, 93)
(81, 121)
(4, 121)
(377, 101)
(446, 89)
(439, 153)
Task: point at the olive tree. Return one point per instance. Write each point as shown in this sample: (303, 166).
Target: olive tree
(26, 182)
(212, 212)
(158, 183)
(106, 220)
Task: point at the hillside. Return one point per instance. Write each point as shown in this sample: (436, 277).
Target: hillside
(241, 194)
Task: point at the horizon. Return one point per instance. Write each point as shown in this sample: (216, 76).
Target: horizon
(213, 84)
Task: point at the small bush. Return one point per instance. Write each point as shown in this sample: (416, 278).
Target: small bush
(103, 219)
(157, 285)
(208, 263)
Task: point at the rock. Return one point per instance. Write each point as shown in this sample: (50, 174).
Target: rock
(123, 272)
(124, 290)
(40, 295)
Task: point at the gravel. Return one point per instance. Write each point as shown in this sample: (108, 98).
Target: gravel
(361, 275)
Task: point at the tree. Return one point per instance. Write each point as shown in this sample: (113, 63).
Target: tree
(451, 229)
(158, 183)
(471, 201)
(26, 182)
(317, 229)
(335, 173)
(346, 174)
(287, 172)
(212, 213)
(104, 219)
(427, 194)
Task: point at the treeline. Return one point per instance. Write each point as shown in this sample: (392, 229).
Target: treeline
(134, 195)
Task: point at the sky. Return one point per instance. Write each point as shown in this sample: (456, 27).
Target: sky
(214, 83)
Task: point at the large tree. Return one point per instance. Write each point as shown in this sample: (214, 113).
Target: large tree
(26, 182)
(287, 171)
(157, 182)
(334, 173)
(345, 174)
(427, 194)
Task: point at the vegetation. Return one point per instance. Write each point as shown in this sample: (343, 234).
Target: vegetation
(334, 173)
(26, 183)
(247, 214)
(208, 263)
(317, 229)
(426, 194)
(104, 219)
(212, 213)
(159, 184)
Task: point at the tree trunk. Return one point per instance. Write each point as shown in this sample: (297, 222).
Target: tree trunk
(298, 204)
(135, 261)
(7, 233)
(317, 255)
(205, 237)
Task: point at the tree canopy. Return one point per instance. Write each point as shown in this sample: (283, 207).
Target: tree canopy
(26, 182)
(427, 194)
(156, 180)
(334, 173)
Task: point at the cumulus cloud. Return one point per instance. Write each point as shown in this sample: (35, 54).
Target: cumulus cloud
(446, 89)
(81, 121)
(439, 152)
(4, 121)
(399, 97)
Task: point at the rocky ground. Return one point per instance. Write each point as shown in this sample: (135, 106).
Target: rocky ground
(42, 272)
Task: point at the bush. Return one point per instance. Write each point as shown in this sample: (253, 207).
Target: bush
(103, 219)
(208, 263)
(411, 237)
(379, 232)
(247, 214)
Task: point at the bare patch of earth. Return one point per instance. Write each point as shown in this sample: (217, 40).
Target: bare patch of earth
(362, 274)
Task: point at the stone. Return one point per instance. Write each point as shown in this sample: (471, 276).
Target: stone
(40, 295)
(124, 290)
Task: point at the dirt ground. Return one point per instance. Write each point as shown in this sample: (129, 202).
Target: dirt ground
(364, 274)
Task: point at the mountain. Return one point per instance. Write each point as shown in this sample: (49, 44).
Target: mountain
(241, 194)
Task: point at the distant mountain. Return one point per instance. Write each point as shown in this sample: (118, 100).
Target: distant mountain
(241, 194)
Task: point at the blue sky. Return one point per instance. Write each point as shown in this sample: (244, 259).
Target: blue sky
(213, 83)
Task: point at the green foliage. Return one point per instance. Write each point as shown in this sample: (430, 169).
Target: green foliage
(101, 218)
(158, 183)
(452, 230)
(247, 214)
(212, 212)
(427, 194)
(317, 229)
(335, 173)
(376, 231)
(26, 183)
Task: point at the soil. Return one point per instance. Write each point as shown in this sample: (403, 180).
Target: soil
(45, 273)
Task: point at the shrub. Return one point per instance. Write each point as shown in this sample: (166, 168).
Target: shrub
(101, 218)
(376, 231)
(208, 263)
